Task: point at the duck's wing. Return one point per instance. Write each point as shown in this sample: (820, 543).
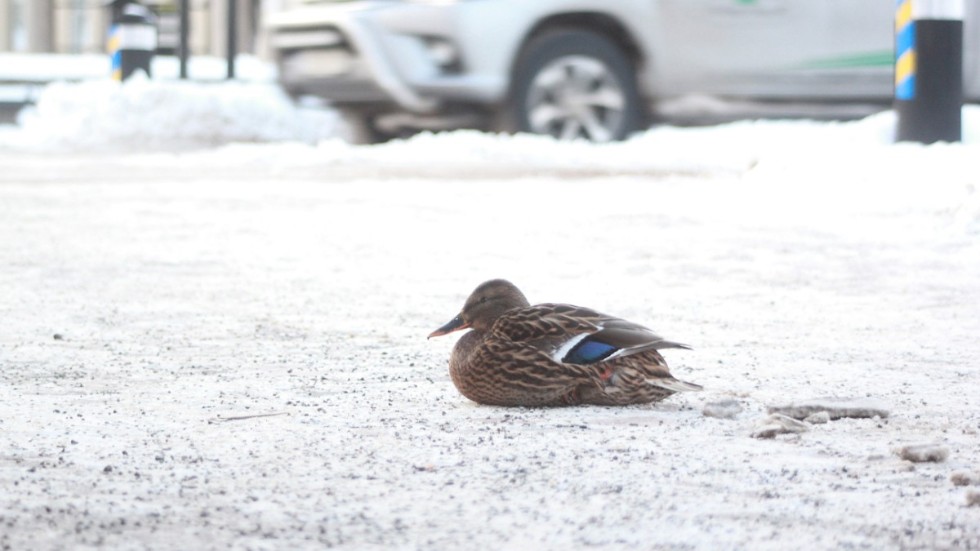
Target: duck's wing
(573, 334)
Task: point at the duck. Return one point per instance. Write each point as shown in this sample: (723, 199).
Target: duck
(550, 355)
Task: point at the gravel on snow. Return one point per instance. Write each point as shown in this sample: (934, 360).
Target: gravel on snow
(202, 355)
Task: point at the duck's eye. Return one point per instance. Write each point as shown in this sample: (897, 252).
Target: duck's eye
(483, 299)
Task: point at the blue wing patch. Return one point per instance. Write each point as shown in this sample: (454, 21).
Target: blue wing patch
(589, 351)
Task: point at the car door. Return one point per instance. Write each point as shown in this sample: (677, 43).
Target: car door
(774, 48)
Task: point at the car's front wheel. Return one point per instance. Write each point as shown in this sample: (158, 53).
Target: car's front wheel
(575, 84)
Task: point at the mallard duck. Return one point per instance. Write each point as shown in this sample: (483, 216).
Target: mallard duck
(516, 354)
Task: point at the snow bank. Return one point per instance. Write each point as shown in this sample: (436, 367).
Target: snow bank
(731, 148)
(145, 115)
(161, 114)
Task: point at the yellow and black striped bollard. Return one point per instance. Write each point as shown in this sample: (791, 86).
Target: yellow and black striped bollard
(132, 38)
(929, 70)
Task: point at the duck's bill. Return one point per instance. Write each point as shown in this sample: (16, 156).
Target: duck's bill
(455, 324)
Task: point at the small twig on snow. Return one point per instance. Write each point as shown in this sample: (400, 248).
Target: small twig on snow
(220, 419)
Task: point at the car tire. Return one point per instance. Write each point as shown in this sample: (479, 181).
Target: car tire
(574, 84)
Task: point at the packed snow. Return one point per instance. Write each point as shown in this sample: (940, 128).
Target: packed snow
(215, 313)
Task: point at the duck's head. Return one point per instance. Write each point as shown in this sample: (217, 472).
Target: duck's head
(485, 305)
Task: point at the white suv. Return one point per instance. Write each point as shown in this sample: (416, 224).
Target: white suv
(585, 68)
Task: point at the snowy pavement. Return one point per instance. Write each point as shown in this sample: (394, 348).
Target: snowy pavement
(226, 348)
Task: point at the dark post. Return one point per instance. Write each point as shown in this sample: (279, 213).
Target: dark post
(132, 38)
(929, 70)
(184, 46)
(232, 36)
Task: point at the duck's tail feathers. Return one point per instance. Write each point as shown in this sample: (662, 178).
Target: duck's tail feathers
(671, 344)
(675, 385)
(657, 345)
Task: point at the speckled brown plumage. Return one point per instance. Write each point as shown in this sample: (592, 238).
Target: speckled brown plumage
(553, 354)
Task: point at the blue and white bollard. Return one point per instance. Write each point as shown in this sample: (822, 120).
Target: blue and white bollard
(929, 70)
(132, 38)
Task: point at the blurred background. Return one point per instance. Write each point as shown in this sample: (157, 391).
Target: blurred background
(81, 26)
(598, 70)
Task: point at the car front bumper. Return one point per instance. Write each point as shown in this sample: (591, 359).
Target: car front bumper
(376, 52)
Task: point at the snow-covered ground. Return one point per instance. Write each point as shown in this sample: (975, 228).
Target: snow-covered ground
(225, 347)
